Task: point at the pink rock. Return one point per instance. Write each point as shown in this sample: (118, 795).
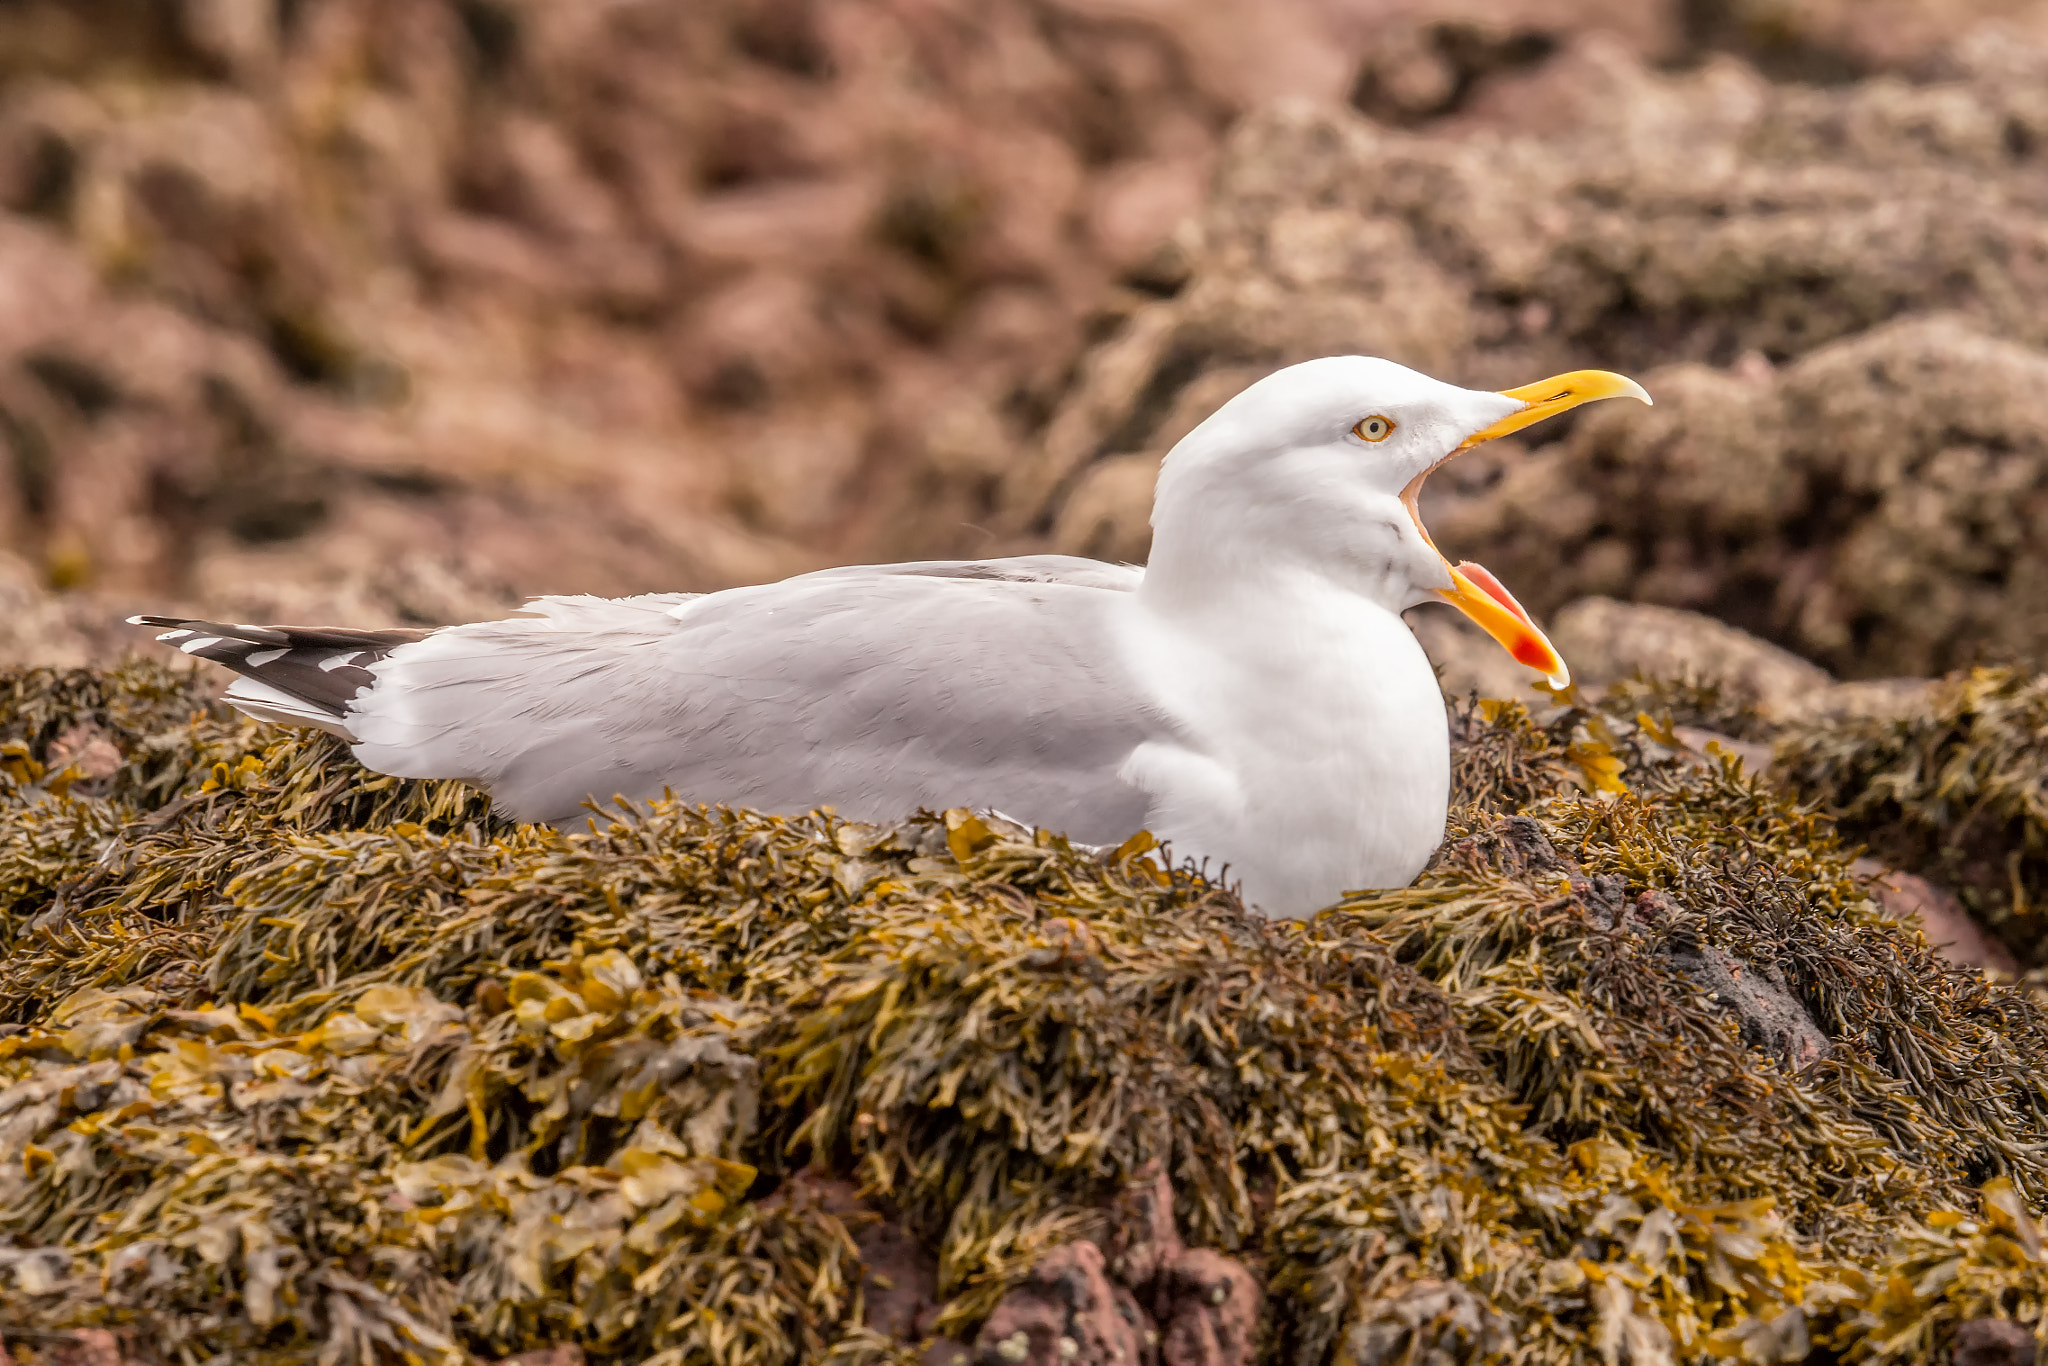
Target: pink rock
(900, 1279)
(1143, 1240)
(1208, 1307)
(1204, 1305)
(1067, 1313)
(86, 748)
(1941, 917)
(1994, 1342)
(85, 1347)
(561, 1354)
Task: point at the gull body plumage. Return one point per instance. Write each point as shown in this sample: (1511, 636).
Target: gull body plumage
(1252, 697)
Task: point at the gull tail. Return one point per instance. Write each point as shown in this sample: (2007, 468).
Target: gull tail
(293, 675)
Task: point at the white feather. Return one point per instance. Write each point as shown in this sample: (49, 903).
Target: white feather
(252, 697)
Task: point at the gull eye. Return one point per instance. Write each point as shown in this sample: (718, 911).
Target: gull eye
(1374, 428)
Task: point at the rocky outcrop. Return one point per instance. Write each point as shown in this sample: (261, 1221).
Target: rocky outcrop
(1994, 1342)
(84, 1347)
(1848, 482)
(681, 293)
(1870, 504)
(687, 294)
(1605, 641)
(532, 297)
(1940, 915)
(899, 1279)
(1067, 1313)
(1151, 1301)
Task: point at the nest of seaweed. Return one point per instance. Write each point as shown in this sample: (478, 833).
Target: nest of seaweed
(303, 1064)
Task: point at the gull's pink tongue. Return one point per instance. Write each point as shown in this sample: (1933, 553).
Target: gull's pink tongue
(1483, 576)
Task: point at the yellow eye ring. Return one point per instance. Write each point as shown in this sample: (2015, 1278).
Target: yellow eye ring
(1374, 428)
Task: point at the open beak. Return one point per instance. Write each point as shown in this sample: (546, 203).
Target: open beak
(1476, 592)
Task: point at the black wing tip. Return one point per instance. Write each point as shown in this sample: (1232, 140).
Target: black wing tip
(183, 631)
(322, 667)
(292, 637)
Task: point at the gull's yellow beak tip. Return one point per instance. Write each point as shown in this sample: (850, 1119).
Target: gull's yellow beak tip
(1632, 390)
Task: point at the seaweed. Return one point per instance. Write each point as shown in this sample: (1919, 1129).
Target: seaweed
(1956, 789)
(307, 1065)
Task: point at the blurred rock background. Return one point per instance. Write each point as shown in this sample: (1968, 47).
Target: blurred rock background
(374, 310)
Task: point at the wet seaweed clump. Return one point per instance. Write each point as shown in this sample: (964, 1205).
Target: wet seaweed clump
(300, 1064)
(1955, 788)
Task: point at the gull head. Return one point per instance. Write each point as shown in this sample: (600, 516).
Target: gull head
(1317, 469)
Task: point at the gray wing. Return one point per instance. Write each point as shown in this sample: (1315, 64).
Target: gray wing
(1068, 569)
(877, 690)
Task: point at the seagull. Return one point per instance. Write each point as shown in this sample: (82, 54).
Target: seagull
(1251, 697)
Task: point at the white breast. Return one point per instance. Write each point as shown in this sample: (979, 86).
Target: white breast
(1314, 755)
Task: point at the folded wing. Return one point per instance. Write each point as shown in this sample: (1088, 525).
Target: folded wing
(875, 690)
